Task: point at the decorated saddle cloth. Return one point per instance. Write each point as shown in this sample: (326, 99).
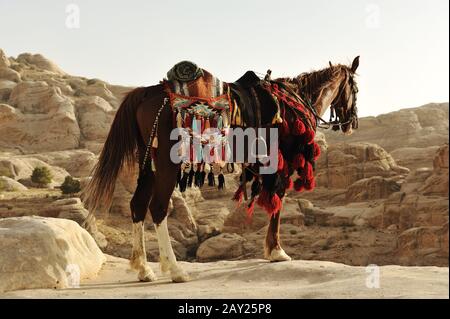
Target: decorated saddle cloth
(201, 105)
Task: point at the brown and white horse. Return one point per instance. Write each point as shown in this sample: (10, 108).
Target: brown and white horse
(130, 133)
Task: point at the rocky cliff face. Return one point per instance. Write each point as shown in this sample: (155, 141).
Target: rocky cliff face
(382, 194)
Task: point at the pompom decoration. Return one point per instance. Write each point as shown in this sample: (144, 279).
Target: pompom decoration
(271, 204)
(310, 184)
(280, 161)
(298, 127)
(298, 185)
(290, 183)
(299, 161)
(239, 194)
(316, 150)
(309, 136)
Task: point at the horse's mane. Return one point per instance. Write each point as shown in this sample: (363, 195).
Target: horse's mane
(310, 84)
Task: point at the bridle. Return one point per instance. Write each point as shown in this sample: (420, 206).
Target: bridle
(336, 112)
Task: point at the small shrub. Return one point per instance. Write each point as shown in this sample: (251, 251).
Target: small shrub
(91, 81)
(41, 176)
(70, 185)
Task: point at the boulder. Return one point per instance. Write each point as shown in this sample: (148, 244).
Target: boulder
(344, 164)
(21, 167)
(4, 61)
(419, 127)
(437, 183)
(375, 187)
(6, 87)
(38, 132)
(39, 252)
(223, 246)
(414, 157)
(9, 74)
(40, 62)
(78, 163)
(98, 88)
(424, 245)
(95, 116)
(9, 185)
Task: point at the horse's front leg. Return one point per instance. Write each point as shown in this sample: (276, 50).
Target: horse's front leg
(272, 248)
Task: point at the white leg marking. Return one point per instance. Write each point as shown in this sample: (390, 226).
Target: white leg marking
(138, 260)
(167, 256)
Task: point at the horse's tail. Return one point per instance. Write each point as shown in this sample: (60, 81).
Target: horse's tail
(119, 149)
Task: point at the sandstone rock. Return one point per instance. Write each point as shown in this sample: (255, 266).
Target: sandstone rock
(6, 87)
(419, 127)
(38, 132)
(9, 185)
(375, 187)
(344, 164)
(78, 163)
(414, 157)
(40, 61)
(223, 246)
(99, 89)
(420, 245)
(4, 61)
(39, 97)
(21, 167)
(73, 209)
(40, 252)
(95, 116)
(437, 183)
(9, 74)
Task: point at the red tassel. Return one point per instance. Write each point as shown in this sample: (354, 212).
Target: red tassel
(299, 161)
(290, 183)
(213, 122)
(298, 185)
(239, 194)
(251, 208)
(308, 172)
(188, 121)
(280, 161)
(284, 128)
(316, 151)
(202, 124)
(309, 136)
(298, 127)
(310, 184)
(271, 204)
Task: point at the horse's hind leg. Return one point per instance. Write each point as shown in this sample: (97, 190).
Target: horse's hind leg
(165, 179)
(139, 206)
(272, 249)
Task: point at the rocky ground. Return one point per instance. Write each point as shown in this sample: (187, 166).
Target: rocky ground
(382, 195)
(256, 278)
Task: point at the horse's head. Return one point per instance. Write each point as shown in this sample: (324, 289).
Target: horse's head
(343, 106)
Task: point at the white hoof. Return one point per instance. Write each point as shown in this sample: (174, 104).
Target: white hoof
(146, 274)
(279, 255)
(179, 275)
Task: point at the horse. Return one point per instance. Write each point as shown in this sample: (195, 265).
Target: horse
(131, 130)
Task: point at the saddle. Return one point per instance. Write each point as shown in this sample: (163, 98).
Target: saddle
(245, 103)
(255, 105)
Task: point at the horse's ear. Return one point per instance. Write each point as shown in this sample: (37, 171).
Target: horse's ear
(355, 64)
(331, 65)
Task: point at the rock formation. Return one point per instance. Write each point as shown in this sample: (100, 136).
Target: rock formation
(42, 252)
